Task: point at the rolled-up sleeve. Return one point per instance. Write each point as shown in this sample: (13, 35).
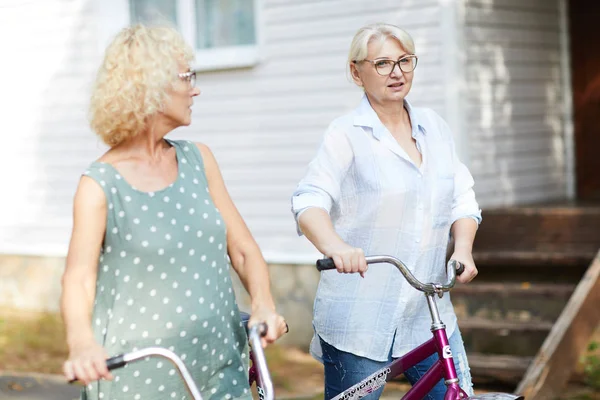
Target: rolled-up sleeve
(320, 187)
(464, 203)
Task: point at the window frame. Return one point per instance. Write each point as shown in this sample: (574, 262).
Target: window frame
(114, 15)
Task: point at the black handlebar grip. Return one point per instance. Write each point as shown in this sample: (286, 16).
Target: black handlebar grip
(460, 269)
(325, 264)
(116, 362)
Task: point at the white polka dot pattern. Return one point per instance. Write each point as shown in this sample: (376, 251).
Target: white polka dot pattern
(160, 283)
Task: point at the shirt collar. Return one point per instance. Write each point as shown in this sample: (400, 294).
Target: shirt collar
(365, 116)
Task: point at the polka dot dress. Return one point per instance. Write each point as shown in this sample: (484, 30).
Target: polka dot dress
(163, 280)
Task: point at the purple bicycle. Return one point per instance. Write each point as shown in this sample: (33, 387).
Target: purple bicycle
(443, 368)
(258, 373)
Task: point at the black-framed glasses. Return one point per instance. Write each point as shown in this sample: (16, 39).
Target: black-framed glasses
(385, 66)
(189, 77)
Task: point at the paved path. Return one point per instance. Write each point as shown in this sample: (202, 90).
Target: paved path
(53, 387)
(36, 387)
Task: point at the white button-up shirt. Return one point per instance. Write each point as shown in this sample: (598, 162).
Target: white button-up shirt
(381, 202)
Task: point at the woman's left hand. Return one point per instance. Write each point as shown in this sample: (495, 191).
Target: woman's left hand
(276, 325)
(465, 258)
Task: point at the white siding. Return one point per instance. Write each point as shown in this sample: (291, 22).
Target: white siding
(514, 112)
(263, 123)
(50, 57)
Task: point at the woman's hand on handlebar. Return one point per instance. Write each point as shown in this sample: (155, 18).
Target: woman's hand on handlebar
(86, 363)
(348, 259)
(466, 258)
(276, 325)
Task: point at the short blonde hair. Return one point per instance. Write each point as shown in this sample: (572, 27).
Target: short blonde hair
(140, 66)
(377, 32)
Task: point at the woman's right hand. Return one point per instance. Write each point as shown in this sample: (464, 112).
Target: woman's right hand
(348, 259)
(86, 363)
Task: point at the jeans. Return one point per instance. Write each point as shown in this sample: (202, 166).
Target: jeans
(343, 370)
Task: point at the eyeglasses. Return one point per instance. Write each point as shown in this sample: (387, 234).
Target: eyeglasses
(189, 77)
(385, 66)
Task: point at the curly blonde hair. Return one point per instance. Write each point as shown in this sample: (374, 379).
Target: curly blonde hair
(140, 66)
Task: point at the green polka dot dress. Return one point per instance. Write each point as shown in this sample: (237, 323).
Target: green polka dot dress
(163, 280)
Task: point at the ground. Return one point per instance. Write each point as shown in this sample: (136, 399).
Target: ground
(32, 349)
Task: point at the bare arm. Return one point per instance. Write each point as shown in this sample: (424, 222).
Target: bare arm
(315, 195)
(463, 232)
(246, 257)
(316, 225)
(86, 358)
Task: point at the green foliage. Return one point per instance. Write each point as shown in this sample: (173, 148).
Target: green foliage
(591, 364)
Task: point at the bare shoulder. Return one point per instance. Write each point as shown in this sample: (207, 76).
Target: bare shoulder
(210, 163)
(89, 194)
(204, 149)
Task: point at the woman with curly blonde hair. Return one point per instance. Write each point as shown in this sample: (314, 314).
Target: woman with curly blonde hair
(153, 226)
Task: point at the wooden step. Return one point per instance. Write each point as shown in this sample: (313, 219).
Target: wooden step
(555, 256)
(504, 369)
(503, 328)
(560, 353)
(562, 232)
(523, 289)
(511, 338)
(505, 267)
(516, 301)
(507, 313)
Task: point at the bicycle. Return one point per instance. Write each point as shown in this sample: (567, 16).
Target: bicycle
(443, 368)
(258, 372)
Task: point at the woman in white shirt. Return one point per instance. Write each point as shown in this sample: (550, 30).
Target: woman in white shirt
(386, 180)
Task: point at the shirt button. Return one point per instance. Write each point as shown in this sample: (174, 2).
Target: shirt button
(418, 240)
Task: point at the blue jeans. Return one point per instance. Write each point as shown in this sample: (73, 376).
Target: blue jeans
(343, 370)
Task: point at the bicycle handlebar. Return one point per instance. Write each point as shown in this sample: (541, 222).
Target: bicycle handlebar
(254, 335)
(453, 268)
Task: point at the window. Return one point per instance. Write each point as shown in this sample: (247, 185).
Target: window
(222, 23)
(153, 11)
(224, 33)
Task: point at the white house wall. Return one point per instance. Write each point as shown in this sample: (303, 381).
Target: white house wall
(515, 110)
(263, 123)
(49, 60)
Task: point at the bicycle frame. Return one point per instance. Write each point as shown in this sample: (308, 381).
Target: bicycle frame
(443, 368)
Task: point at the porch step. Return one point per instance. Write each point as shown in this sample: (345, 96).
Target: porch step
(511, 301)
(536, 257)
(503, 328)
(514, 338)
(497, 368)
(530, 260)
(540, 233)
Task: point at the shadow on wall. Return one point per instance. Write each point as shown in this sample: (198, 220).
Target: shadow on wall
(516, 103)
